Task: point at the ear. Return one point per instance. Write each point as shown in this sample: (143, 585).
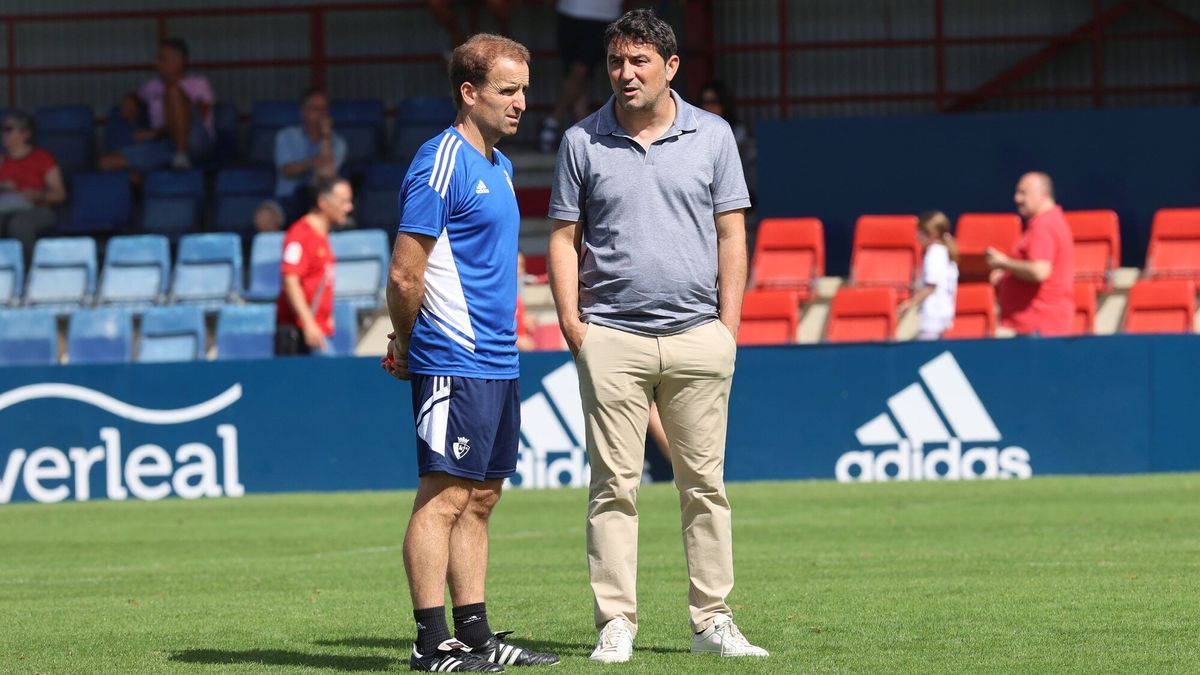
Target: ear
(468, 93)
(672, 67)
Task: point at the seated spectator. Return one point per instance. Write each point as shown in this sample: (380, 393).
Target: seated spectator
(306, 152)
(180, 111)
(581, 25)
(31, 184)
(1035, 282)
(268, 217)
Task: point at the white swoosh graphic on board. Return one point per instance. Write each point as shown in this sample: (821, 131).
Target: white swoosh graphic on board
(120, 408)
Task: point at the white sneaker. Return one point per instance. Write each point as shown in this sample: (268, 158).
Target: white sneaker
(724, 638)
(615, 644)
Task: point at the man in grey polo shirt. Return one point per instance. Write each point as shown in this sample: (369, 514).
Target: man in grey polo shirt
(648, 267)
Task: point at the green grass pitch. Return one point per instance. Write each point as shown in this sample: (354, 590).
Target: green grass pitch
(1049, 575)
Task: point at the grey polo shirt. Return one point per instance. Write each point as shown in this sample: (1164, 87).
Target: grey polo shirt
(650, 260)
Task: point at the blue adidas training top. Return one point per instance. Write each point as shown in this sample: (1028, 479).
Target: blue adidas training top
(467, 324)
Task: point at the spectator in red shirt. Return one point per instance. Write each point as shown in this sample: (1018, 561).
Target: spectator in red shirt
(304, 310)
(31, 184)
(1034, 282)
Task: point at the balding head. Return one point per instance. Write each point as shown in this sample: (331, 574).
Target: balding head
(1035, 194)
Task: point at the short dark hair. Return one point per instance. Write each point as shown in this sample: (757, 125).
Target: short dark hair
(177, 44)
(642, 27)
(473, 59)
(22, 118)
(323, 186)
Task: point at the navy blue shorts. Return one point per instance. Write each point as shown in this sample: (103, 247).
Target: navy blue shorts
(466, 427)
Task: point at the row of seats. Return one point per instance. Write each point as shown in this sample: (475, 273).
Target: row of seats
(789, 253)
(68, 131)
(177, 333)
(175, 202)
(869, 314)
(208, 271)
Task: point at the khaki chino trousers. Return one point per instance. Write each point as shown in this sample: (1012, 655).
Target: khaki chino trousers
(689, 376)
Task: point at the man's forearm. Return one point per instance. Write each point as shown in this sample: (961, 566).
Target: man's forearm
(1034, 271)
(731, 267)
(295, 297)
(563, 261)
(404, 296)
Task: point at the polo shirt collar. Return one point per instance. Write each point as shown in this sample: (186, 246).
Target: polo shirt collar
(685, 118)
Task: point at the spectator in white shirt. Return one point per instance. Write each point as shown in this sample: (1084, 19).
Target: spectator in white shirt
(939, 277)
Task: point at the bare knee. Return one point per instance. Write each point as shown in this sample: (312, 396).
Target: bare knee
(482, 501)
(441, 498)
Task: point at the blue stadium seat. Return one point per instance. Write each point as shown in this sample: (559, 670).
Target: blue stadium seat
(362, 123)
(173, 333)
(246, 332)
(379, 198)
(238, 194)
(225, 124)
(62, 274)
(28, 337)
(418, 119)
(345, 330)
(266, 118)
(72, 151)
(136, 271)
(208, 269)
(118, 133)
(266, 253)
(362, 146)
(103, 335)
(362, 264)
(12, 271)
(67, 132)
(173, 202)
(57, 118)
(100, 202)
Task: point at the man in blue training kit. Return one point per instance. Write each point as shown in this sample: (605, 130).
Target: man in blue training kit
(452, 296)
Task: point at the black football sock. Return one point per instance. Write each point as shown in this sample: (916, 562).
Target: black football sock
(471, 624)
(431, 628)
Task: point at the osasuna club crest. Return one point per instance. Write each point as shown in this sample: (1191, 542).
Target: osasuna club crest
(461, 447)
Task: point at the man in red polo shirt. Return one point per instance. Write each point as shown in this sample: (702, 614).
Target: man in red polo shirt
(304, 310)
(1034, 283)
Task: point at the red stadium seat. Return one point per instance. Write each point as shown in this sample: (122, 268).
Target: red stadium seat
(974, 312)
(535, 266)
(862, 315)
(1085, 307)
(789, 253)
(769, 318)
(1097, 236)
(1161, 306)
(1174, 245)
(533, 202)
(547, 337)
(886, 253)
(975, 232)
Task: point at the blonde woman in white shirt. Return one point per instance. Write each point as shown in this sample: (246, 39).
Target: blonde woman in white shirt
(939, 277)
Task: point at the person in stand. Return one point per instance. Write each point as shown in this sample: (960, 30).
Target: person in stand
(939, 277)
(31, 184)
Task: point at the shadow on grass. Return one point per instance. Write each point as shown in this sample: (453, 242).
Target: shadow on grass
(278, 657)
(404, 645)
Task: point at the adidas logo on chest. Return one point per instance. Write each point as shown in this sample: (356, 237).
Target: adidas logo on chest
(481, 188)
